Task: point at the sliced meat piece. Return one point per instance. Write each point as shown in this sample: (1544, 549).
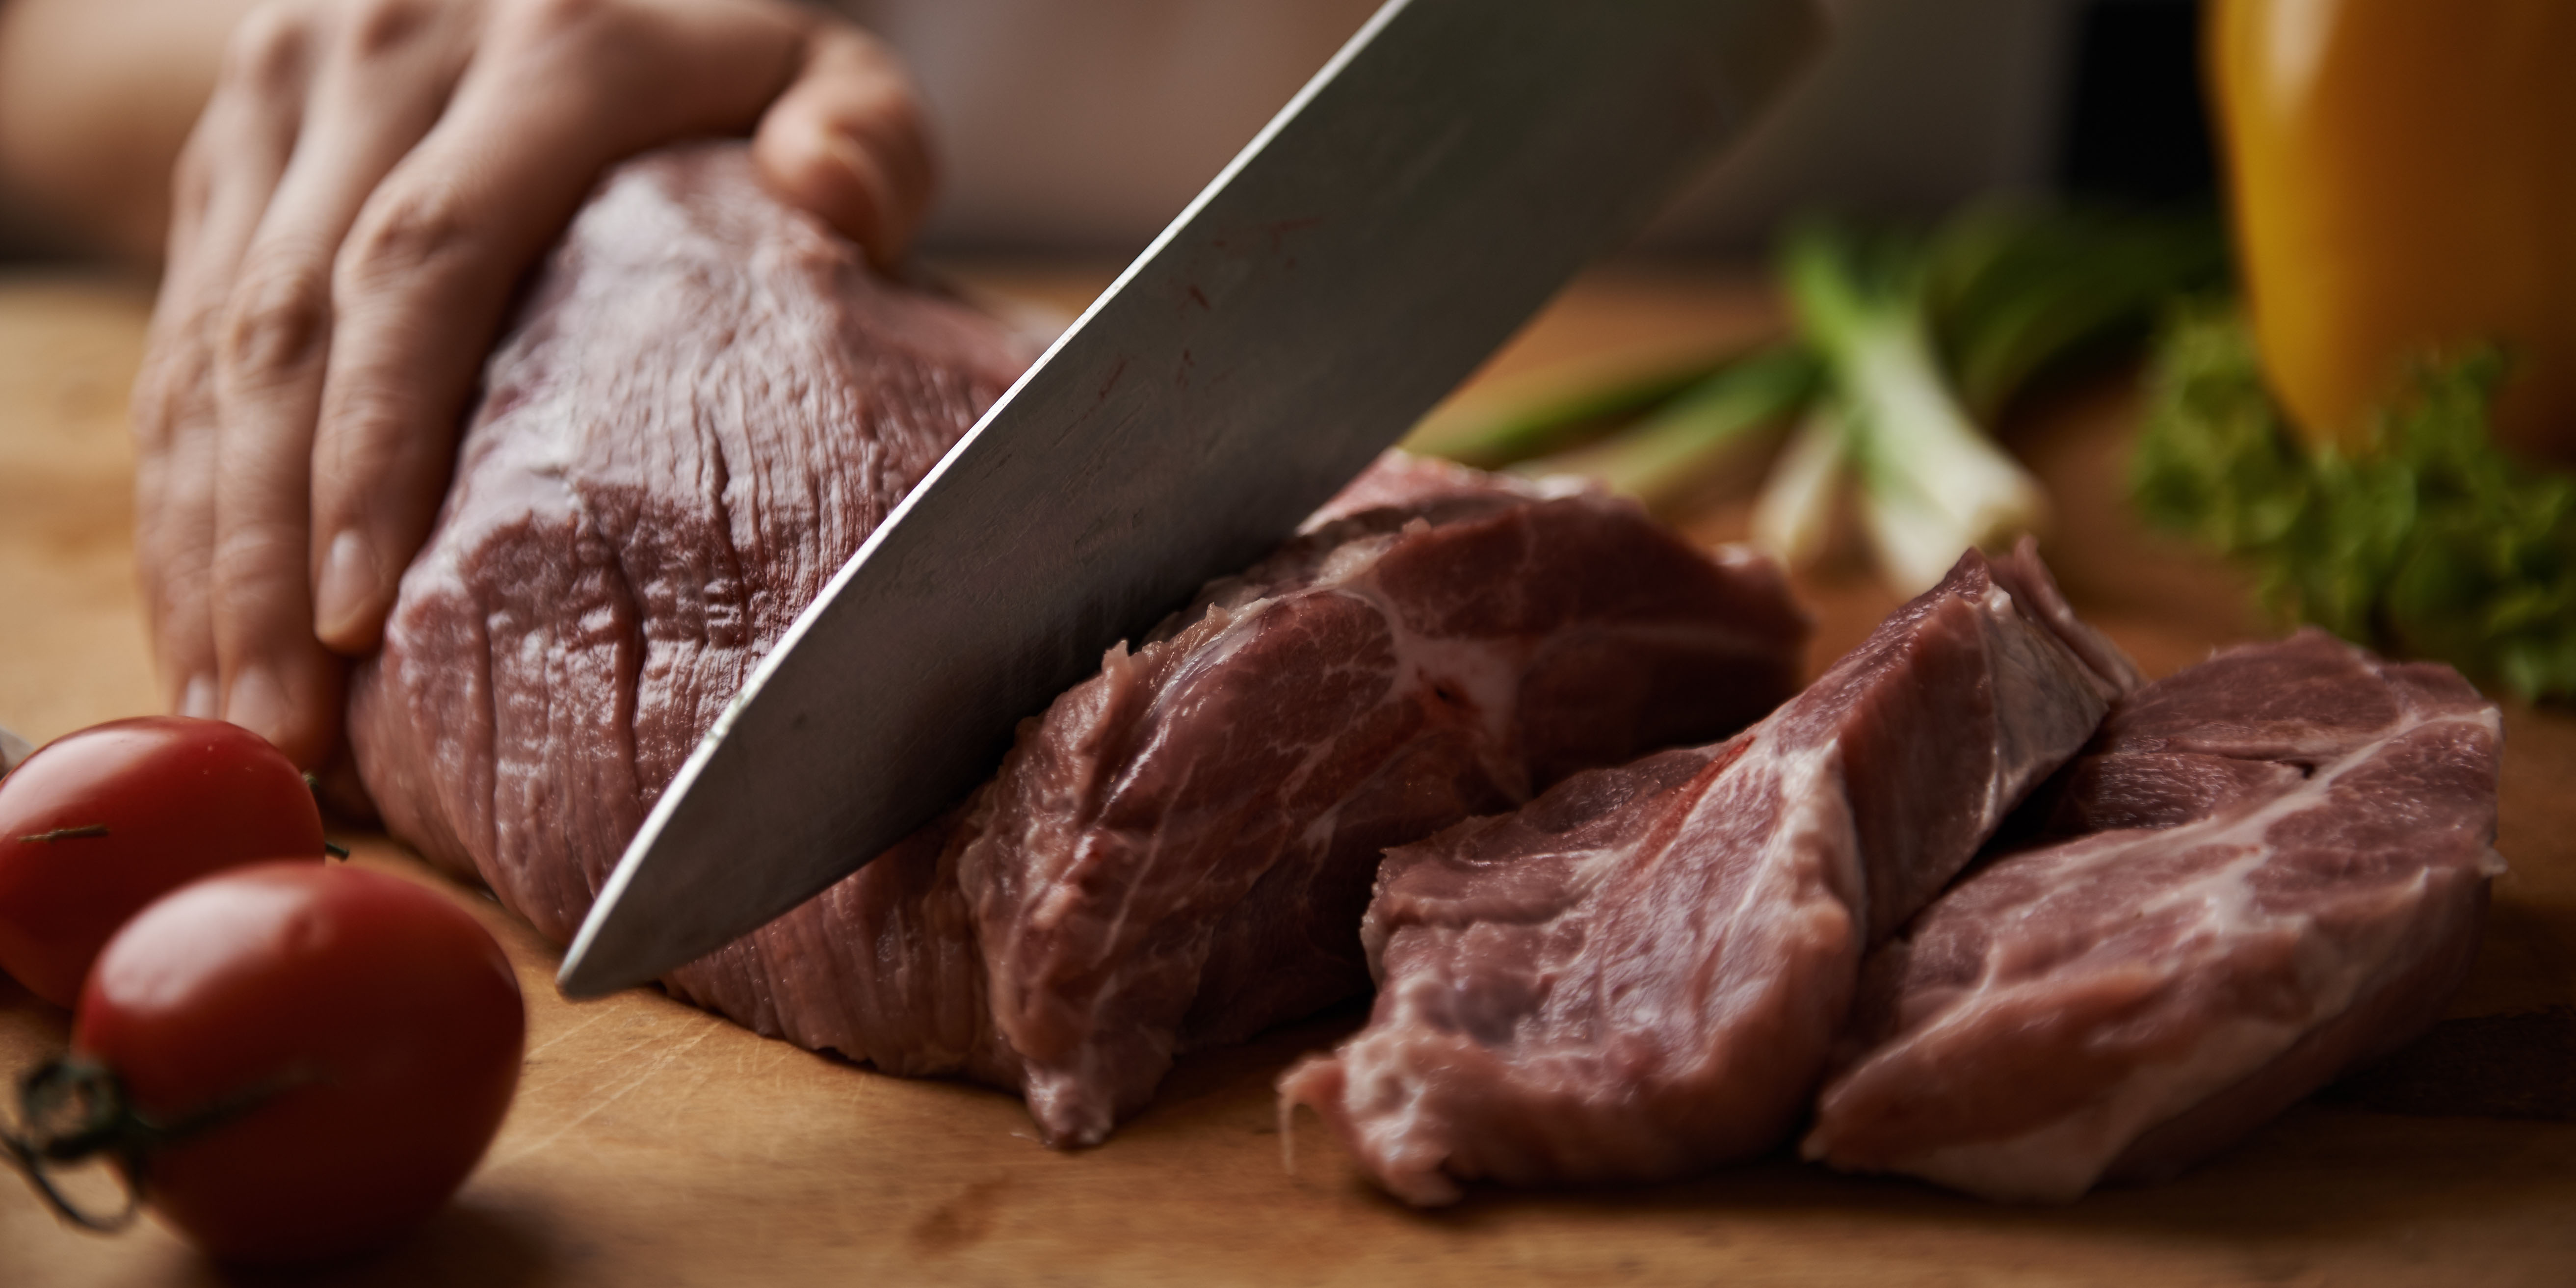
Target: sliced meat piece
(1640, 973)
(2287, 864)
(882, 966)
(1179, 851)
(706, 402)
(1402, 480)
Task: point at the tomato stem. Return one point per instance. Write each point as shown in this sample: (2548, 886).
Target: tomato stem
(73, 1110)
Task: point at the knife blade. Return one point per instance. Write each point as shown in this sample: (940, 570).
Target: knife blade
(1451, 167)
(12, 750)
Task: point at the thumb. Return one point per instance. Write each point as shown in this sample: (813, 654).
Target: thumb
(847, 142)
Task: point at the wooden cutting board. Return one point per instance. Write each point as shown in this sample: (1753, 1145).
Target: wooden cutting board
(652, 1144)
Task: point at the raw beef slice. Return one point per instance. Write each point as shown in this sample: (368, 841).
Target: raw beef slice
(705, 404)
(1641, 972)
(2279, 863)
(1179, 851)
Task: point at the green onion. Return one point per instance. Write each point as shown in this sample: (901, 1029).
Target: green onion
(1549, 411)
(1793, 518)
(1905, 345)
(1932, 483)
(1714, 421)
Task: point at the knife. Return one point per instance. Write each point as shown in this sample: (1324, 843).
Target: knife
(12, 750)
(1428, 190)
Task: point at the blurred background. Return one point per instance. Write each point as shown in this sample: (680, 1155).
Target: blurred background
(1083, 128)
(1086, 127)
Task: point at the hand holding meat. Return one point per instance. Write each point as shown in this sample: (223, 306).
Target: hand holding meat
(366, 185)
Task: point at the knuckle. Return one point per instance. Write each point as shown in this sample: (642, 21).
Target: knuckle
(406, 230)
(279, 321)
(376, 28)
(367, 440)
(169, 391)
(253, 551)
(269, 47)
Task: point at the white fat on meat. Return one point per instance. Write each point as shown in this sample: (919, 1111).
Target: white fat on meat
(1640, 973)
(1399, 646)
(2117, 1005)
(706, 402)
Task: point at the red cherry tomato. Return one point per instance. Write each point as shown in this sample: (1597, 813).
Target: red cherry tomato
(101, 822)
(331, 1049)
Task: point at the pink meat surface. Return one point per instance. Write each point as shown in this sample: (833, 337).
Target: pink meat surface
(1179, 851)
(706, 402)
(1641, 973)
(2278, 866)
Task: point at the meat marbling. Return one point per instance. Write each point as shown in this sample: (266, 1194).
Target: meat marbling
(706, 405)
(2273, 867)
(1179, 851)
(1641, 973)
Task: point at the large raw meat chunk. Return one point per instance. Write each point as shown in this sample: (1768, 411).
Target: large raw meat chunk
(1179, 851)
(2279, 863)
(706, 403)
(1641, 973)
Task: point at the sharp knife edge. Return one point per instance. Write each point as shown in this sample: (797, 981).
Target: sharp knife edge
(1442, 176)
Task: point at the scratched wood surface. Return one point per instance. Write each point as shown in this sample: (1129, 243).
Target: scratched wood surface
(651, 1144)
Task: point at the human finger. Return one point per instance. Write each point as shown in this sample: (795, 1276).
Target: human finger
(554, 95)
(382, 70)
(847, 141)
(220, 186)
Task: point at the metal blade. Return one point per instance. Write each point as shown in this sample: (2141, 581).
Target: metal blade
(1444, 175)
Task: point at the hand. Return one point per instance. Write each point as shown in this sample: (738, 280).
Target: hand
(368, 182)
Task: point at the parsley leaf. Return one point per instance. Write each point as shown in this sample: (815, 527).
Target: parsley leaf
(2428, 541)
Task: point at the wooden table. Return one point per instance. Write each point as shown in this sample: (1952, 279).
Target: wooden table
(652, 1144)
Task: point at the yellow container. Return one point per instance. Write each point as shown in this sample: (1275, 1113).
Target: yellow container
(2402, 177)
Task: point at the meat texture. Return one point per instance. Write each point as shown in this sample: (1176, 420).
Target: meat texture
(1641, 973)
(705, 403)
(1179, 851)
(2277, 867)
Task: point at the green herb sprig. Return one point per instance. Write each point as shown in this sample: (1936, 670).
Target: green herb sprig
(2425, 540)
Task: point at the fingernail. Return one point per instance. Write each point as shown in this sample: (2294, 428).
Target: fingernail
(197, 698)
(348, 588)
(257, 702)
